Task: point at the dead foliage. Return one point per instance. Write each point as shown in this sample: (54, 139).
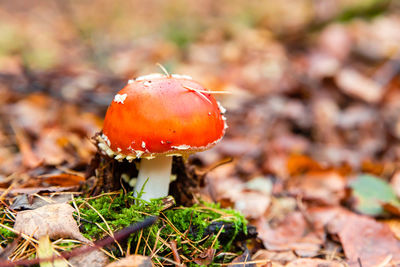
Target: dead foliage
(313, 108)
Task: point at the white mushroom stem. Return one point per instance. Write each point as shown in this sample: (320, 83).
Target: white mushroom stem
(154, 175)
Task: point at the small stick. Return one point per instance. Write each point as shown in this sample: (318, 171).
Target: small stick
(175, 252)
(119, 235)
(359, 262)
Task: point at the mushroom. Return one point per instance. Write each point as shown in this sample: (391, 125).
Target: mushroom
(155, 117)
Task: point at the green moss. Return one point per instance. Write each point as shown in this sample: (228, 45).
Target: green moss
(6, 234)
(194, 229)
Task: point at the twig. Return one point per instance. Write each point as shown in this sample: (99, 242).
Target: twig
(359, 262)
(175, 252)
(215, 165)
(119, 235)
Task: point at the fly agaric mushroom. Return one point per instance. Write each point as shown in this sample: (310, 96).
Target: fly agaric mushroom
(155, 117)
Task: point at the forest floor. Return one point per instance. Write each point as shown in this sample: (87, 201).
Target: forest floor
(311, 156)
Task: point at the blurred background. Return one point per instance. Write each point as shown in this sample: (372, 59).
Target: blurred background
(313, 102)
(314, 84)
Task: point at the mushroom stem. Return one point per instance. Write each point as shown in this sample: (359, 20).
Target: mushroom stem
(157, 173)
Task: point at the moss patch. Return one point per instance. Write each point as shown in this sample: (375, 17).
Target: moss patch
(194, 229)
(6, 236)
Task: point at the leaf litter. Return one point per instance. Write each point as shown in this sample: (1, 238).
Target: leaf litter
(313, 132)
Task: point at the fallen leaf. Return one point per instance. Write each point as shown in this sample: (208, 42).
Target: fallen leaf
(54, 220)
(45, 250)
(33, 112)
(299, 164)
(29, 158)
(326, 187)
(95, 258)
(322, 216)
(292, 233)
(370, 193)
(25, 202)
(49, 149)
(63, 179)
(314, 263)
(274, 256)
(36, 190)
(132, 261)
(206, 257)
(364, 239)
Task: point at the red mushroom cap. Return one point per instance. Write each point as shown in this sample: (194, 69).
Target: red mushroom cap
(158, 114)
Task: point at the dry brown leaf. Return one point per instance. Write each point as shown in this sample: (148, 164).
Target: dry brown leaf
(29, 158)
(206, 257)
(325, 187)
(29, 202)
(37, 190)
(49, 147)
(95, 258)
(63, 179)
(32, 113)
(314, 263)
(277, 257)
(292, 233)
(132, 261)
(54, 220)
(321, 216)
(364, 239)
(299, 164)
